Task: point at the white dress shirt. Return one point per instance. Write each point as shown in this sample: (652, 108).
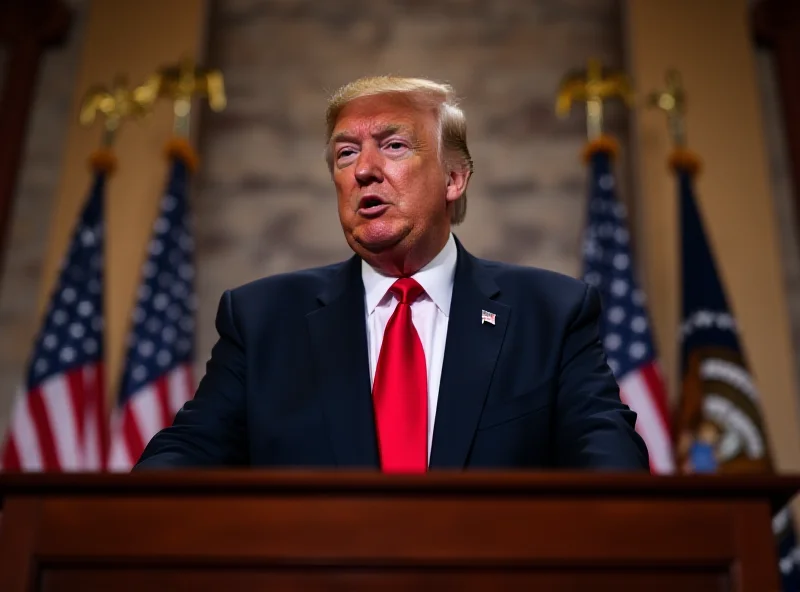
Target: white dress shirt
(429, 314)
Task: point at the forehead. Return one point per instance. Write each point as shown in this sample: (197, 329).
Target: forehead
(369, 114)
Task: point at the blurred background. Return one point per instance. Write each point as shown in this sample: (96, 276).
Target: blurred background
(262, 201)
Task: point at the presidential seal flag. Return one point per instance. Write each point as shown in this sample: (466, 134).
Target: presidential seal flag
(625, 325)
(720, 427)
(58, 423)
(157, 379)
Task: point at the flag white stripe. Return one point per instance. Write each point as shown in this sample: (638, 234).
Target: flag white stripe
(641, 428)
(118, 457)
(92, 443)
(24, 434)
(178, 388)
(61, 419)
(146, 413)
(649, 424)
(144, 409)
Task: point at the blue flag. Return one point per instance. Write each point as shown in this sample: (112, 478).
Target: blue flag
(721, 426)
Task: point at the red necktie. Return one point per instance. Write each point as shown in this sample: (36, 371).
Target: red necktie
(400, 389)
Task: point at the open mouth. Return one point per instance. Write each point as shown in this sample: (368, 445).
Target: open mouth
(371, 205)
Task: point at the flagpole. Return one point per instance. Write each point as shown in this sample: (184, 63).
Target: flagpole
(672, 101)
(624, 327)
(593, 85)
(158, 371)
(116, 104)
(180, 83)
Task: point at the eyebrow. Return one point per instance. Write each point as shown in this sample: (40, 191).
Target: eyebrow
(379, 133)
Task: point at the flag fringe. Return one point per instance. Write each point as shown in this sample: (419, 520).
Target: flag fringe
(685, 160)
(103, 160)
(181, 149)
(601, 144)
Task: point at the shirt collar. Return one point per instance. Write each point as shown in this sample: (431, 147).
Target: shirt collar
(436, 278)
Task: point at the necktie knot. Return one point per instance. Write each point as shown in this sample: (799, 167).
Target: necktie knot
(407, 290)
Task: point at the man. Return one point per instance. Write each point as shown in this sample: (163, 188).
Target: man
(413, 355)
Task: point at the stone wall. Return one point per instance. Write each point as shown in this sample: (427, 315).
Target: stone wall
(264, 200)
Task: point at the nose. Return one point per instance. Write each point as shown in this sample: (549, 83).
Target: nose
(368, 166)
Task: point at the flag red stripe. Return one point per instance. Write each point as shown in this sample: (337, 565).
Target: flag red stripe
(100, 413)
(133, 437)
(162, 390)
(77, 395)
(45, 435)
(11, 460)
(655, 385)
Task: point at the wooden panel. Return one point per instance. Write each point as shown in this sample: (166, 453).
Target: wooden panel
(20, 521)
(368, 528)
(245, 530)
(153, 580)
(757, 568)
(530, 485)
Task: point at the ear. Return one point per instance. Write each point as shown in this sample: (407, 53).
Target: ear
(457, 180)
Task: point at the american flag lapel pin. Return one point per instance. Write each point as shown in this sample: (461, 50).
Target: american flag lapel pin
(487, 317)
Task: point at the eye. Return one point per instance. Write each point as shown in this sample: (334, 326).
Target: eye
(395, 146)
(345, 153)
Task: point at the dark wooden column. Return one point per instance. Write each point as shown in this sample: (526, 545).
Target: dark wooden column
(27, 27)
(776, 25)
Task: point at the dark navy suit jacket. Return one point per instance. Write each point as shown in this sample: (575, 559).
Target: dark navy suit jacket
(287, 384)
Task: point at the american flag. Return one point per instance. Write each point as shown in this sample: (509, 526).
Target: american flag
(58, 421)
(157, 379)
(625, 326)
(720, 423)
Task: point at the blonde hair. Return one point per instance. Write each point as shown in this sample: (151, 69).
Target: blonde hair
(426, 93)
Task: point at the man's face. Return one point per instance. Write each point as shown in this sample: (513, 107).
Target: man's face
(391, 185)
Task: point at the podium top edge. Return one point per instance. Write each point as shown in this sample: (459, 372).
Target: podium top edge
(189, 482)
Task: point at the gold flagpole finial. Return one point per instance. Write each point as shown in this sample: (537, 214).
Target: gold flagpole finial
(116, 104)
(180, 83)
(593, 86)
(672, 100)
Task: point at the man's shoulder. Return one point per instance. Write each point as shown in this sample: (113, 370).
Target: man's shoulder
(539, 292)
(289, 285)
(529, 279)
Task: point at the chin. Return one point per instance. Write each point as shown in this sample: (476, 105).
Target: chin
(379, 238)
(379, 245)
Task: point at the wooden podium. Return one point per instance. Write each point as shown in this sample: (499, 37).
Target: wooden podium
(271, 531)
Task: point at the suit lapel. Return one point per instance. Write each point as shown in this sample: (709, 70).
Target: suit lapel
(471, 352)
(339, 341)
